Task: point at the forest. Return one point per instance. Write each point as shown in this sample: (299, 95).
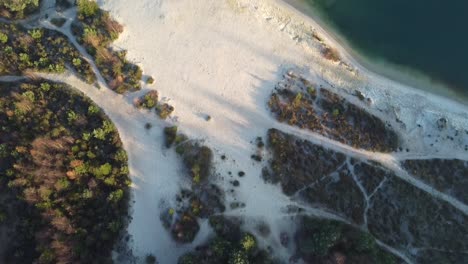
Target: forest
(64, 174)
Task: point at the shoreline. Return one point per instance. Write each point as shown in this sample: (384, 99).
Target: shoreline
(378, 66)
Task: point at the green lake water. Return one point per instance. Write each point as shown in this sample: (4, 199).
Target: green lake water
(429, 37)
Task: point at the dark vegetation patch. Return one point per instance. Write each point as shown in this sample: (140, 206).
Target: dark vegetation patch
(434, 256)
(327, 241)
(58, 21)
(401, 215)
(192, 204)
(44, 50)
(370, 176)
(447, 176)
(197, 160)
(299, 103)
(96, 30)
(236, 205)
(318, 175)
(339, 193)
(296, 164)
(63, 4)
(150, 80)
(259, 142)
(148, 100)
(203, 199)
(258, 156)
(63, 162)
(164, 110)
(230, 245)
(18, 9)
(170, 134)
(331, 54)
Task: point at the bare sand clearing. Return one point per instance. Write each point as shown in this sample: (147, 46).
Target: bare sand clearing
(223, 58)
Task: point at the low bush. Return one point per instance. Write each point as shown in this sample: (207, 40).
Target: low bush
(150, 259)
(58, 22)
(150, 80)
(331, 54)
(170, 134)
(148, 101)
(164, 110)
(197, 159)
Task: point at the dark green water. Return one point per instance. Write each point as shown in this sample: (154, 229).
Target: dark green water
(429, 36)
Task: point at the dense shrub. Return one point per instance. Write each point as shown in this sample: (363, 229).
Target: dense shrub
(148, 100)
(39, 50)
(319, 241)
(87, 8)
(331, 54)
(17, 9)
(197, 159)
(230, 245)
(164, 110)
(202, 200)
(96, 30)
(297, 102)
(150, 80)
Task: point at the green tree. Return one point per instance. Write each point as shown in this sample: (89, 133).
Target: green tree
(92, 110)
(72, 116)
(35, 33)
(238, 257)
(3, 38)
(76, 62)
(108, 127)
(322, 238)
(103, 170)
(87, 8)
(30, 95)
(4, 150)
(99, 133)
(248, 242)
(45, 87)
(116, 196)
